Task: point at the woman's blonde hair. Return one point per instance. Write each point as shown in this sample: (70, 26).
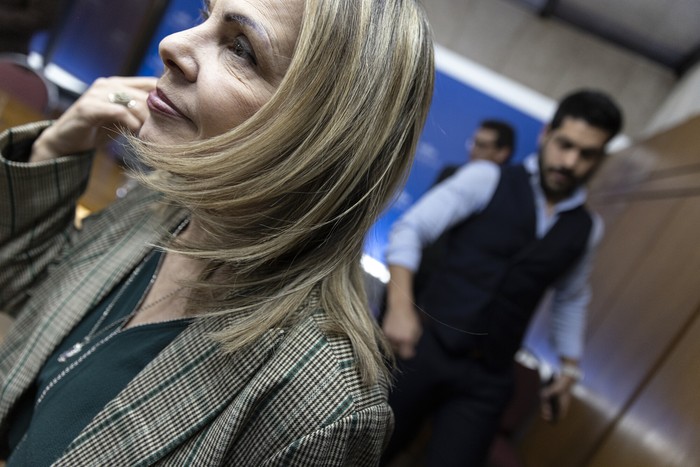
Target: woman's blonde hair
(287, 197)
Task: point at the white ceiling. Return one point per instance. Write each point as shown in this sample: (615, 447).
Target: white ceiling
(666, 31)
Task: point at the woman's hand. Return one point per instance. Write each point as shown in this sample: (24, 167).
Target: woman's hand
(96, 116)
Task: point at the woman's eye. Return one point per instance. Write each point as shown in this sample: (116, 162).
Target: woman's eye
(243, 49)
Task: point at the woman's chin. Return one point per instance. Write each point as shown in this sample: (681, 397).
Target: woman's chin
(147, 132)
(151, 132)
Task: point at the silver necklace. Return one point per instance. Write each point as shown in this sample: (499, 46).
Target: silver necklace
(96, 331)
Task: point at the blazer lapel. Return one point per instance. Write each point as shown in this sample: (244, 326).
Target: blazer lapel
(174, 397)
(112, 246)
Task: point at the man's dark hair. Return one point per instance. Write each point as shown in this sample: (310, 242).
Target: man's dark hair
(505, 134)
(594, 107)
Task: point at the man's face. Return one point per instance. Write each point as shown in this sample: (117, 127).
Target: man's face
(484, 147)
(569, 156)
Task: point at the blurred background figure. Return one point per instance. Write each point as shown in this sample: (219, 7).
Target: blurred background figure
(493, 141)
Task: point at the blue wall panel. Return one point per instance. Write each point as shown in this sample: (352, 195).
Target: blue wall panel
(180, 14)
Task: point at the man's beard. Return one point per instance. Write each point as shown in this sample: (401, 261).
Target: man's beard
(563, 192)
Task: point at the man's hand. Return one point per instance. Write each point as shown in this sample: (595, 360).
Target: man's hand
(93, 118)
(401, 325)
(402, 328)
(560, 391)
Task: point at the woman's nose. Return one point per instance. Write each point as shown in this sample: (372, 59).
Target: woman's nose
(177, 51)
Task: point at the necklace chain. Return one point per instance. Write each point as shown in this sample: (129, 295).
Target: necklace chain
(96, 331)
(77, 348)
(70, 367)
(160, 300)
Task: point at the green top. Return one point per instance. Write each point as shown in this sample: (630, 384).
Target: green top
(41, 432)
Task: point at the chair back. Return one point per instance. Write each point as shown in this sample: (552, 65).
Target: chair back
(27, 84)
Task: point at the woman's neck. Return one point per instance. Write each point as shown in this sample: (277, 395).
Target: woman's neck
(177, 271)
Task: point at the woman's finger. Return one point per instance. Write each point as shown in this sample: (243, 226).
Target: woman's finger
(144, 83)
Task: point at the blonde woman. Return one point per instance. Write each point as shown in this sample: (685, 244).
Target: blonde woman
(215, 315)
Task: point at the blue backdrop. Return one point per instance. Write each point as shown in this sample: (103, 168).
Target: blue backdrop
(180, 14)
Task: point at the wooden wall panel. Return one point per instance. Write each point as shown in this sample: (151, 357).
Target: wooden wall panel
(662, 427)
(657, 299)
(567, 443)
(646, 291)
(614, 264)
(649, 309)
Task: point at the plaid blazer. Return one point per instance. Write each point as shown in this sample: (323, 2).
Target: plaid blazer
(294, 398)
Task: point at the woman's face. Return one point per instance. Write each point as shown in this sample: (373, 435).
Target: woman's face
(222, 71)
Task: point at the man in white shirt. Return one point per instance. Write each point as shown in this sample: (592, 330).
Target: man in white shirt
(493, 141)
(504, 235)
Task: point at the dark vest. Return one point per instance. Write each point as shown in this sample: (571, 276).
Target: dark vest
(481, 281)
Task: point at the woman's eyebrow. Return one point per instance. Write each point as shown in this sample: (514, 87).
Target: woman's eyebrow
(247, 23)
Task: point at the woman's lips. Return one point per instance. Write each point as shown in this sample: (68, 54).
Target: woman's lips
(158, 102)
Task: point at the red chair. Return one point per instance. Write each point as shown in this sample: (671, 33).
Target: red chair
(26, 84)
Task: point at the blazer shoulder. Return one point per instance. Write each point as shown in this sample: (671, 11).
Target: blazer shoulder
(297, 390)
(311, 357)
(343, 355)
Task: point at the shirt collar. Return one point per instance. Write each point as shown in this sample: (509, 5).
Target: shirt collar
(577, 198)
